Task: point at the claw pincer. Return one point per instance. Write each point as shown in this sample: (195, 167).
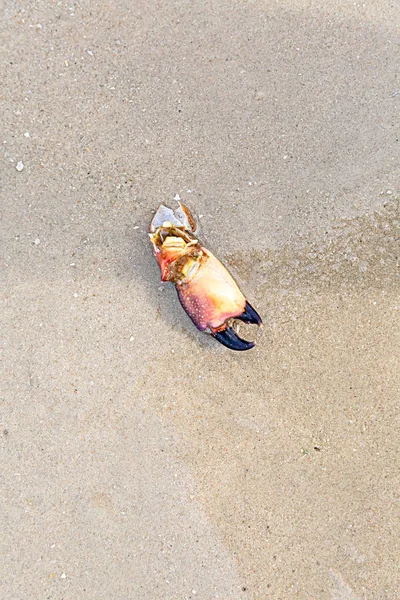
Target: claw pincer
(206, 290)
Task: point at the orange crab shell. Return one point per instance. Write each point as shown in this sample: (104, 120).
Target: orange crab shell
(211, 296)
(164, 260)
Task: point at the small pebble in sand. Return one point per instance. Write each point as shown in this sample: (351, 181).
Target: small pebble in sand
(20, 165)
(63, 576)
(37, 242)
(177, 197)
(26, 134)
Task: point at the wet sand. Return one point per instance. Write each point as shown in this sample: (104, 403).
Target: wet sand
(141, 459)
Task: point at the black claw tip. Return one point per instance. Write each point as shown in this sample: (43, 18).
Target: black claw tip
(249, 315)
(229, 338)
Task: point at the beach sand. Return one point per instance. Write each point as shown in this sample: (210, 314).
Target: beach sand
(141, 460)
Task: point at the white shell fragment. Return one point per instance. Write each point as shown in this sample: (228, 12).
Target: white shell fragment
(178, 217)
(20, 165)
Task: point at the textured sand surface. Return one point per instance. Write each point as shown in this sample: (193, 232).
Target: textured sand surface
(141, 460)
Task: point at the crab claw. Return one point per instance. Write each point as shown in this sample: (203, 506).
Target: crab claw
(206, 290)
(249, 315)
(229, 338)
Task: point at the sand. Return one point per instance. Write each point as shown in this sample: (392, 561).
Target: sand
(140, 459)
